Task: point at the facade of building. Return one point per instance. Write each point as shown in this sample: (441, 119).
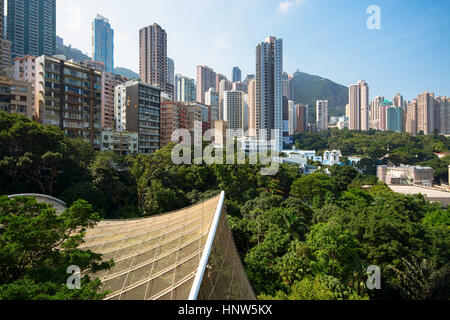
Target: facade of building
(302, 118)
(222, 128)
(219, 78)
(269, 90)
(253, 121)
(206, 79)
(322, 115)
(394, 119)
(32, 27)
(173, 117)
(103, 42)
(121, 143)
(109, 83)
(425, 113)
(212, 100)
(170, 82)
(185, 89)
(237, 74)
(292, 117)
(16, 96)
(412, 117)
(234, 109)
(374, 112)
(5, 53)
(68, 95)
(224, 85)
(25, 70)
(359, 106)
(194, 120)
(406, 175)
(137, 109)
(153, 57)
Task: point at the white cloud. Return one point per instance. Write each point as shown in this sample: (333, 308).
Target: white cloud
(285, 6)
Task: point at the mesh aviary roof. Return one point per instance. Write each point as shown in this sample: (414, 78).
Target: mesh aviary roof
(187, 254)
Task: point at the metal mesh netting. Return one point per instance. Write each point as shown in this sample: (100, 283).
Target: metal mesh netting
(224, 277)
(157, 257)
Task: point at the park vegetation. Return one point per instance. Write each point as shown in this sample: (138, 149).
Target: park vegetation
(300, 237)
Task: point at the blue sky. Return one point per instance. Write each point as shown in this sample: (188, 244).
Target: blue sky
(329, 38)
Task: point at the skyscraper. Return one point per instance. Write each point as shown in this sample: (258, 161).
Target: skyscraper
(206, 78)
(224, 85)
(32, 27)
(219, 78)
(425, 113)
(253, 121)
(185, 89)
(103, 42)
(137, 109)
(237, 74)
(153, 57)
(170, 82)
(322, 115)
(359, 106)
(269, 89)
(212, 100)
(234, 109)
(68, 95)
(302, 118)
(411, 117)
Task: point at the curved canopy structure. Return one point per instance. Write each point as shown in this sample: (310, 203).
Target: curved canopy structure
(187, 254)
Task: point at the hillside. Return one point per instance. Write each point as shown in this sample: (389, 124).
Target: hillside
(78, 56)
(124, 72)
(309, 88)
(72, 53)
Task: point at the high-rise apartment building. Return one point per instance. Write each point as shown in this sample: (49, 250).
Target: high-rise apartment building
(292, 117)
(109, 83)
(425, 113)
(173, 117)
(237, 74)
(206, 79)
(16, 96)
(302, 118)
(137, 108)
(219, 78)
(212, 100)
(170, 82)
(269, 90)
(253, 121)
(234, 109)
(442, 105)
(412, 117)
(287, 86)
(153, 57)
(383, 121)
(185, 89)
(322, 115)
(359, 106)
(224, 85)
(374, 112)
(68, 95)
(25, 70)
(394, 119)
(32, 27)
(103, 42)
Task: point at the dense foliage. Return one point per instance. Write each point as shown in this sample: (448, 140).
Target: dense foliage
(300, 237)
(382, 147)
(37, 246)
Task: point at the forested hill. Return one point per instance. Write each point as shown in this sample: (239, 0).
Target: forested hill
(309, 88)
(78, 56)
